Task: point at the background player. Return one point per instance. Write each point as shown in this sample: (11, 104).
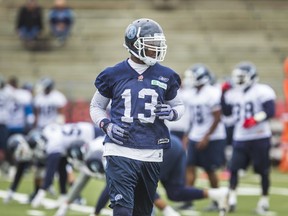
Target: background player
(252, 133)
(49, 104)
(58, 137)
(207, 133)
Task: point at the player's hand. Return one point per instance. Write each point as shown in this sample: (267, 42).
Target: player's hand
(203, 143)
(165, 111)
(249, 122)
(226, 86)
(115, 133)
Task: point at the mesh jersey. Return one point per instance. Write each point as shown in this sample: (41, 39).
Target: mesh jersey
(201, 105)
(17, 111)
(60, 136)
(134, 97)
(247, 104)
(5, 100)
(48, 106)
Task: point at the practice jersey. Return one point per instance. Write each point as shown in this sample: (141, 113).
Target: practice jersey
(5, 101)
(134, 97)
(20, 108)
(247, 104)
(201, 105)
(60, 136)
(48, 106)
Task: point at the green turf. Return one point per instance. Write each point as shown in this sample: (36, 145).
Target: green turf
(246, 204)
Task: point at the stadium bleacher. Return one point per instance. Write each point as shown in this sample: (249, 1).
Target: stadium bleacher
(217, 32)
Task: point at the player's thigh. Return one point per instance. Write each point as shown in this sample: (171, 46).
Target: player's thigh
(121, 177)
(240, 159)
(260, 155)
(213, 156)
(146, 188)
(192, 153)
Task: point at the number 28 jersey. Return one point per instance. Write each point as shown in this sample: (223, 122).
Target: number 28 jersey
(247, 104)
(134, 97)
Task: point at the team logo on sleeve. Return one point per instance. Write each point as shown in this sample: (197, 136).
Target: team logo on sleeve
(164, 79)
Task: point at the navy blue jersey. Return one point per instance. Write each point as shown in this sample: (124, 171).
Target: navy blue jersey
(134, 97)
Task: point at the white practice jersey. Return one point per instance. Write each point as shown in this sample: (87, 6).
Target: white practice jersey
(5, 103)
(247, 104)
(17, 110)
(48, 106)
(182, 124)
(201, 105)
(60, 136)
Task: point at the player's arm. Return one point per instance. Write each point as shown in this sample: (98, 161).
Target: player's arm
(267, 113)
(99, 116)
(217, 118)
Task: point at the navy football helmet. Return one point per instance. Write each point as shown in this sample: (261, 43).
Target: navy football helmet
(77, 150)
(37, 142)
(244, 74)
(19, 148)
(197, 75)
(146, 34)
(94, 162)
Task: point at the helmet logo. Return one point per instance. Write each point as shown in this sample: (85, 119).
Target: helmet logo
(131, 32)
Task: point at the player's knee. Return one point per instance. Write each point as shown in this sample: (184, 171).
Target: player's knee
(122, 211)
(173, 195)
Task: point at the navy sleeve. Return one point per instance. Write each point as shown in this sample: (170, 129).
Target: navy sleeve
(226, 108)
(269, 108)
(175, 83)
(102, 84)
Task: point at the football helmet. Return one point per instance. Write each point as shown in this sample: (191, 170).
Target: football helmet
(94, 162)
(19, 148)
(197, 75)
(146, 34)
(37, 142)
(77, 150)
(244, 74)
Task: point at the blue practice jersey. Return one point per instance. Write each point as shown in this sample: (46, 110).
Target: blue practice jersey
(134, 97)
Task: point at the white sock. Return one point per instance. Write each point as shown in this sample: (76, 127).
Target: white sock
(169, 211)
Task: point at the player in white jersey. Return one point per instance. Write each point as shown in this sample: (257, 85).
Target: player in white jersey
(252, 104)
(20, 112)
(207, 133)
(5, 100)
(58, 137)
(49, 104)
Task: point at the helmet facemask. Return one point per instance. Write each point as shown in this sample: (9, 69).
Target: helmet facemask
(145, 40)
(156, 44)
(242, 78)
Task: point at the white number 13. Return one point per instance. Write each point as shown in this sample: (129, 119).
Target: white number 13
(126, 95)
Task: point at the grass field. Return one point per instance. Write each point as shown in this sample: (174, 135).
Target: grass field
(247, 199)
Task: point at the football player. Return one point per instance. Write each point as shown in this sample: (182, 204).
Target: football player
(21, 115)
(58, 138)
(24, 156)
(88, 159)
(5, 100)
(143, 94)
(172, 177)
(207, 133)
(49, 104)
(252, 104)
